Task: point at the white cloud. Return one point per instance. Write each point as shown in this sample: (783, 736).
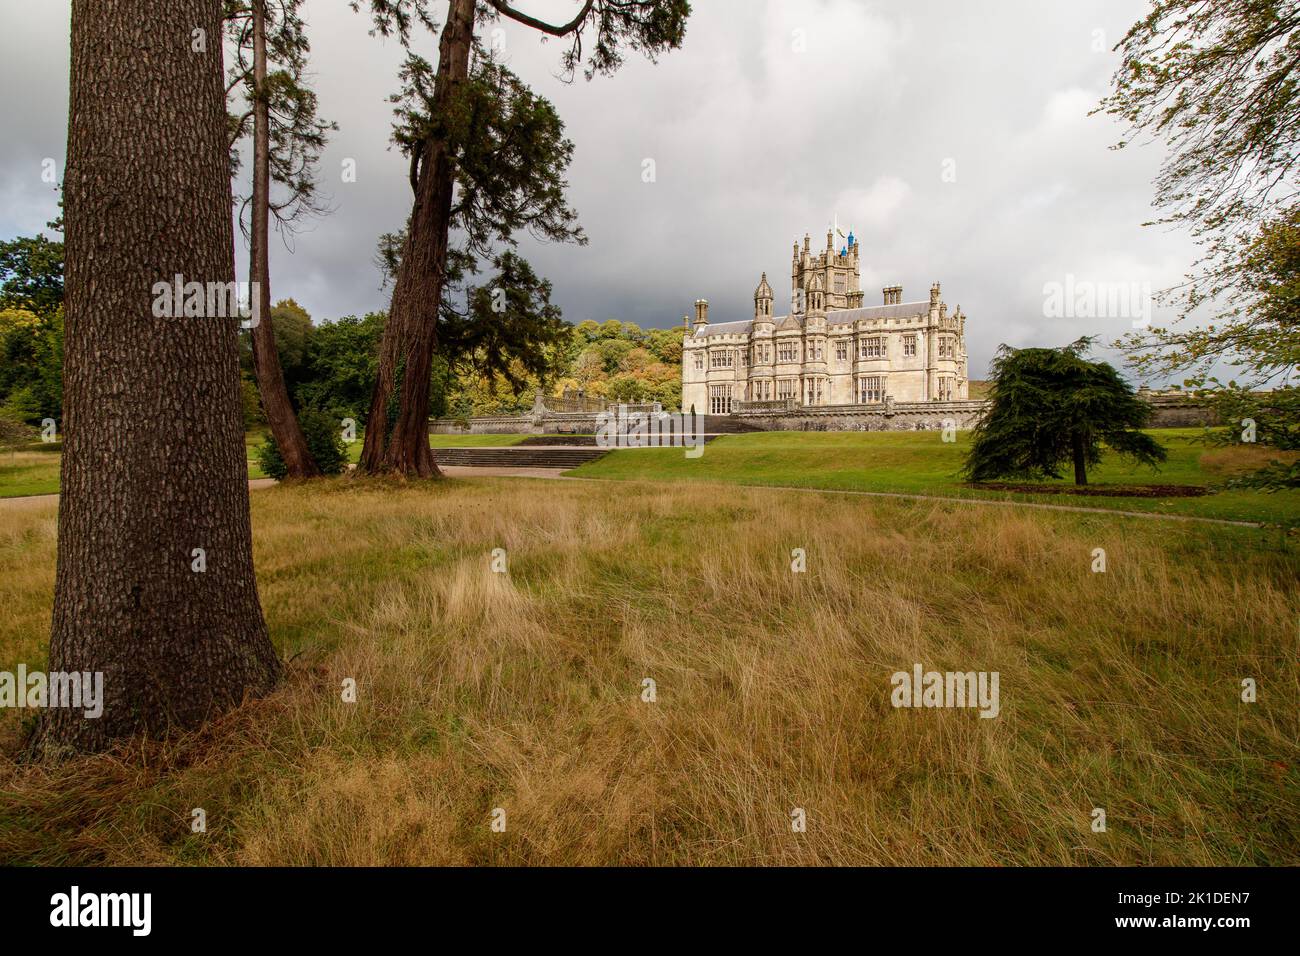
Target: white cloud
(875, 206)
(754, 143)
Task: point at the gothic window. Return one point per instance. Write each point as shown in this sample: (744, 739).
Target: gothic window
(785, 388)
(719, 399)
(699, 361)
(871, 389)
(841, 351)
(873, 347)
(787, 352)
(909, 344)
(840, 282)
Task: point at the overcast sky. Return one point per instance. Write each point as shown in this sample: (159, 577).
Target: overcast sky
(953, 137)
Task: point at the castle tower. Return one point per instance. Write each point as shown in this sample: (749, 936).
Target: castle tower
(813, 383)
(840, 274)
(762, 351)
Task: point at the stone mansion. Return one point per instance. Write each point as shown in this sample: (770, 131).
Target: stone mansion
(830, 349)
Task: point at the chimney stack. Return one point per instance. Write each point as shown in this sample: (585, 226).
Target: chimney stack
(701, 312)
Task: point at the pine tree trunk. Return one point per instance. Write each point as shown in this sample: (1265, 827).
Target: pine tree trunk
(1080, 462)
(410, 335)
(288, 436)
(153, 457)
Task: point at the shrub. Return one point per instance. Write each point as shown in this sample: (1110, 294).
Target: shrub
(324, 441)
(14, 433)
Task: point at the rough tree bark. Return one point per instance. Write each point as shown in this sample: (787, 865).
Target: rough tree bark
(153, 461)
(266, 358)
(1080, 459)
(410, 334)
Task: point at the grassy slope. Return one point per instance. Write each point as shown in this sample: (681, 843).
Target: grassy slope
(474, 441)
(921, 463)
(35, 470)
(478, 690)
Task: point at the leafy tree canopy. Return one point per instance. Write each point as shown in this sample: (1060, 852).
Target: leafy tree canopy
(31, 273)
(510, 149)
(296, 132)
(597, 34)
(1215, 82)
(1051, 407)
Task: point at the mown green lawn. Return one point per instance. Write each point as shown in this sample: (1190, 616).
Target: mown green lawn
(922, 463)
(474, 441)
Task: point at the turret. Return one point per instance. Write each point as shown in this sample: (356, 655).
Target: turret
(816, 293)
(763, 301)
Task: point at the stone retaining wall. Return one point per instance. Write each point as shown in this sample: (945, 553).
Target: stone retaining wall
(554, 423)
(891, 416)
(1170, 412)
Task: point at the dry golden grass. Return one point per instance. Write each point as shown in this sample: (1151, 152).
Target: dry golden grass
(523, 691)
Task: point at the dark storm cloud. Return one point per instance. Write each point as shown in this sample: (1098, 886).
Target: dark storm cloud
(772, 119)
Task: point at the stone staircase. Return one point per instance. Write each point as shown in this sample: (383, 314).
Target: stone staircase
(574, 441)
(518, 456)
(727, 425)
(584, 441)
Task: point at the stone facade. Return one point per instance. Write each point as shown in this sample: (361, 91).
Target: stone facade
(830, 350)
